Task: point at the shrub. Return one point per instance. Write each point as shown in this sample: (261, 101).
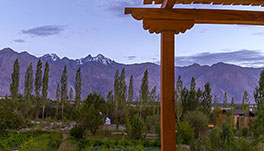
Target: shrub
(198, 120)
(137, 128)
(93, 113)
(245, 132)
(77, 132)
(185, 133)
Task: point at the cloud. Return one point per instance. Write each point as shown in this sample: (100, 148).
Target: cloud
(44, 31)
(261, 33)
(130, 57)
(19, 40)
(249, 58)
(118, 6)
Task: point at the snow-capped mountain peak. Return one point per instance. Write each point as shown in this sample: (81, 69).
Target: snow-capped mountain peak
(52, 56)
(99, 58)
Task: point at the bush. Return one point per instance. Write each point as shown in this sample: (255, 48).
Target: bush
(77, 132)
(9, 119)
(198, 120)
(137, 128)
(215, 138)
(92, 113)
(245, 132)
(185, 133)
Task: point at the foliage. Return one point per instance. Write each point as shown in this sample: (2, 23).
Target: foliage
(227, 136)
(71, 94)
(78, 87)
(57, 101)
(15, 81)
(137, 127)
(198, 120)
(45, 88)
(30, 141)
(232, 103)
(77, 132)
(258, 124)
(38, 79)
(259, 92)
(64, 90)
(206, 103)
(93, 113)
(225, 100)
(218, 116)
(178, 101)
(130, 90)
(28, 83)
(144, 88)
(120, 95)
(215, 138)
(185, 133)
(245, 102)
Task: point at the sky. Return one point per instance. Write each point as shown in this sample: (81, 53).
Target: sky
(77, 28)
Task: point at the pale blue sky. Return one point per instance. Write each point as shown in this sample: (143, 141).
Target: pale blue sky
(76, 28)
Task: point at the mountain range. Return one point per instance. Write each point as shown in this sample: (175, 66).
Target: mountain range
(98, 74)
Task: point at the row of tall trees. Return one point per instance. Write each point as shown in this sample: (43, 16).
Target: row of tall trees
(41, 85)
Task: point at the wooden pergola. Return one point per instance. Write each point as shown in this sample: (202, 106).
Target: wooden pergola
(170, 21)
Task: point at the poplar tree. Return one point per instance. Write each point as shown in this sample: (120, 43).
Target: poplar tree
(64, 91)
(78, 87)
(178, 101)
(28, 83)
(110, 104)
(144, 92)
(225, 100)
(232, 103)
(116, 98)
(45, 86)
(15, 81)
(259, 92)
(71, 94)
(130, 90)
(192, 99)
(153, 98)
(215, 102)
(207, 99)
(144, 88)
(38, 79)
(245, 102)
(258, 124)
(123, 87)
(122, 97)
(58, 99)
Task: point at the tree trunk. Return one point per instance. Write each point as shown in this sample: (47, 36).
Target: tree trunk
(57, 110)
(62, 108)
(43, 111)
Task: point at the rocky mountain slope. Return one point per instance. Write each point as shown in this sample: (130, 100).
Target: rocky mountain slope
(98, 74)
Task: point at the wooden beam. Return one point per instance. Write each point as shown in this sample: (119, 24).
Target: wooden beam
(168, 4)
(199, 16)
(158, 26)
(168, 138)
(217, 2)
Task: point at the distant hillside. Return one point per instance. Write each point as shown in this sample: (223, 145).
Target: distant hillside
(98, 74)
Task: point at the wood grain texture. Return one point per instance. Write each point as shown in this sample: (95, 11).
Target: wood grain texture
(215, 2)
(168, 138)
(158, 26)
(168, 4)
(199, 16)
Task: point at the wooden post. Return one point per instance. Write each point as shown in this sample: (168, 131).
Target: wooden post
(168, 138)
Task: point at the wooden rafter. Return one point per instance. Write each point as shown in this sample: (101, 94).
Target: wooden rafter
(217, 2)
(157, 20)
(168, 3)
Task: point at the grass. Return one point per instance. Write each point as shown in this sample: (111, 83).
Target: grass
(33, 140)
